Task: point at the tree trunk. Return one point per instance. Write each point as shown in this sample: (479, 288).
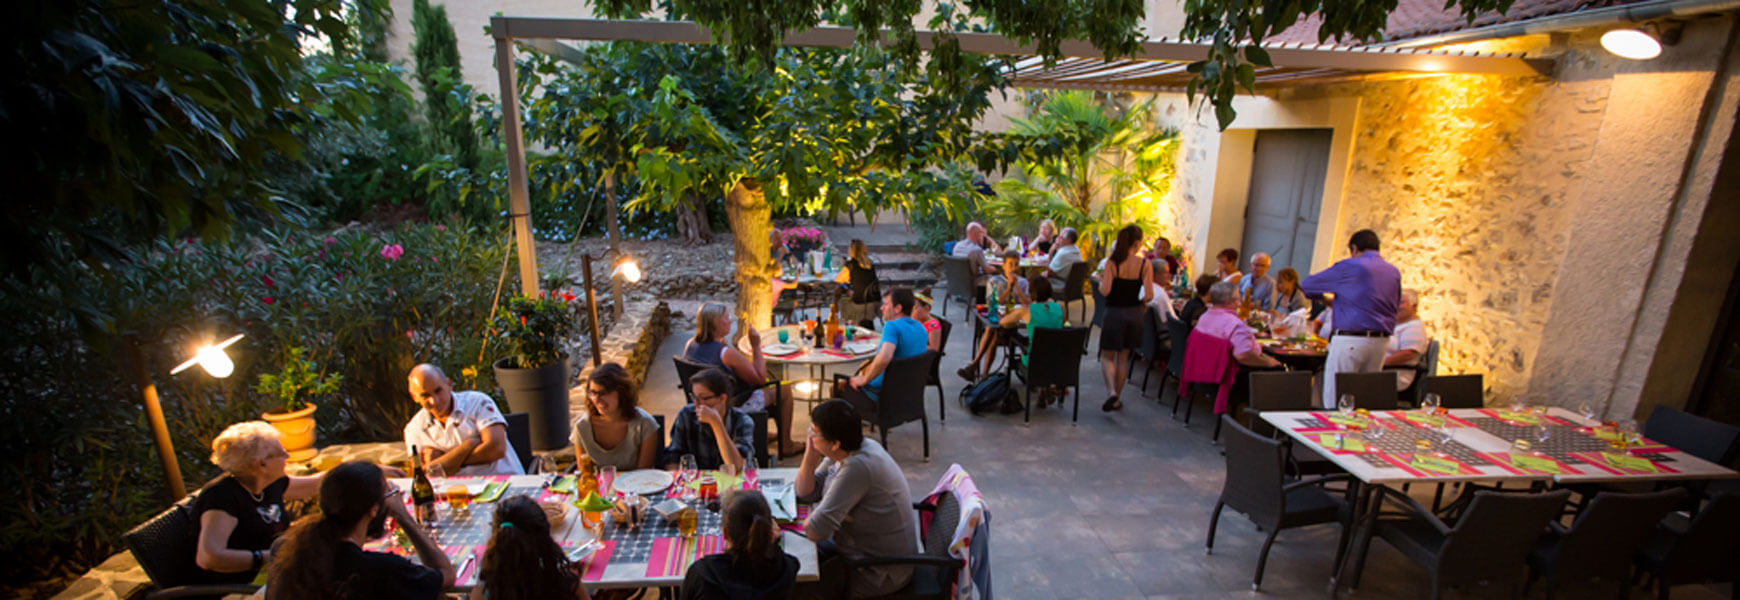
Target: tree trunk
(692, 220)
(615, 237)
(751, 217)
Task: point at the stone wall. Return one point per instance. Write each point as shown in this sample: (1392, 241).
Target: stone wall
(631, 343)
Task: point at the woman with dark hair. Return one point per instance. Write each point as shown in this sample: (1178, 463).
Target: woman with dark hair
(711, 346)
(1198, 303)
(709, 428)
(522, 562)
(1288, 296)
(932, 325)
(1124, 283)
(1227, 265)
(322, 557)
(614, 431)
(752, 567)
(866, 292)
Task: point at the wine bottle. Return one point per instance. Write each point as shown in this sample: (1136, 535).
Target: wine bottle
(422, 492)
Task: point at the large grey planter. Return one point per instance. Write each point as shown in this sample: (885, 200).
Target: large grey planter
(542, 394)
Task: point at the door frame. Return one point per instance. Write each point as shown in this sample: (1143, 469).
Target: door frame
(1224, 226)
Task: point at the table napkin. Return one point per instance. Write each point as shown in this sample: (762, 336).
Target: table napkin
(1626, 461)
(783, 501)
(1535, 463)
(1340, 419)
(1436, 464)
(1348, 443)
(492, 491)
(1420, 418)
(564, 484)
(1526, 418)
(862, 347)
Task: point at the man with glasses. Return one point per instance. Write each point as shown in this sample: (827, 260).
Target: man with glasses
(462, 432)
(717, 434)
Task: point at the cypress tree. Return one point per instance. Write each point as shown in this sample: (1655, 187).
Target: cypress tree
(436, 49)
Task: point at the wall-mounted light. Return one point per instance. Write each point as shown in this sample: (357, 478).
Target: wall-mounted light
(1640, 43)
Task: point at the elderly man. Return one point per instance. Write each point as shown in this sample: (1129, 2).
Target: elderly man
(462, 432)
(1222, 320)
(974, 248)
(1064, 254)
(1366, 291)
(1409, 342)
(1258, 286)
(1159, 297)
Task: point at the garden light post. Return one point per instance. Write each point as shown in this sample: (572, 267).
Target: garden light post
(215, 363)
(625, 267)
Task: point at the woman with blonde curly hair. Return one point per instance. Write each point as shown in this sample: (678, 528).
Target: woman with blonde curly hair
(242, 511)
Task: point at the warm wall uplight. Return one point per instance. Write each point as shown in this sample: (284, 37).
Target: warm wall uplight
(628, 270)
(1635, 44)
(212, 359)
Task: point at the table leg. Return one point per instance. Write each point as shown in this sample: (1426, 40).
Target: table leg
(1365, 520)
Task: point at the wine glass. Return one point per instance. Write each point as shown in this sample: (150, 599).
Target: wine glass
(1445, 433)
(1430, 403)
(687, 470)
(1517, 404)
(437, 479)
(1345, 404)
(546, 464)
(1542, 432)
(1587, 410)
(1372, 432)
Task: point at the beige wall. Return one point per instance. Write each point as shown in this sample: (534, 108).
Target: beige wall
(1532, 213)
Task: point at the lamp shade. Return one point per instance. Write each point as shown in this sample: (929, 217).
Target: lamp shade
(628, 270)
(212, 358)
(1635, 44)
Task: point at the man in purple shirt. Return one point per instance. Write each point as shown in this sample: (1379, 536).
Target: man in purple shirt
(1366, 291)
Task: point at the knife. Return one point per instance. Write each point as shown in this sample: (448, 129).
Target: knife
(459, 574)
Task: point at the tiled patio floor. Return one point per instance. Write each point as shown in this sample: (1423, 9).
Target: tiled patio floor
(1114, 507)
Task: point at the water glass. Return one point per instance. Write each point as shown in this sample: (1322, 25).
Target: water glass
(1430, 403)
(687, 470)
(607, 481)
(1542, 432)
(437, 475)
(1517, 404)
(546, 464)
(1345, 404)
(1445, 433)
(1587, 410)
(784, 335)
(750, 473)
(1372, 433)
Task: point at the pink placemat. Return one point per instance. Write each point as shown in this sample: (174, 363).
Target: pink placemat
(592, 567)
(672, 555)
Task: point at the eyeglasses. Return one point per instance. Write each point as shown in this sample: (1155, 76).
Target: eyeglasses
(706, 398)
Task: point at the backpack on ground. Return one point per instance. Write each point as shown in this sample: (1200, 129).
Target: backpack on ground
(990, 394)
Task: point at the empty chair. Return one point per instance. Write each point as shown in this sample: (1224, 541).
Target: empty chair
(1700, 549)
(1285, 391)
(1054, 359)
(1491, 542)
(959, 273)
(942, 414)
(1149, 350)
(901, 399)
(1713, 441)
(519, 433)
(1603, 539)
(164, 547)
(1073, 284)
(1257, 485)
(1457, 391)
(1371, 391)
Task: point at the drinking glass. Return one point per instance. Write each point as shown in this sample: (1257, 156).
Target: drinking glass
(1520, 446)
(607, 481)
(1345, 404)
(458, 498)
(687, 518)
(1517, 404)
(687, 470)
(437, 475)
(750, 474)
(1445, 433)
(1542, 432)
(1587, 409)
(546, 464)
(1430, 403)
(784, 335)
(1372, 432)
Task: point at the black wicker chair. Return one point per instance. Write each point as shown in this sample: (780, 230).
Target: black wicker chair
(1490, 542)
(1371, 391)
(164, 547)
(901, 399)
(933, 572)
(1257, 485)
(1428, 367)
(519, 434)
(958, 272)
(1054, 360)
(687, 368)
(1152, 348)
(1074, 286)
(1702, 548)
(942, 415)
(1178, 338)
(1457, 391)
(1603, 539)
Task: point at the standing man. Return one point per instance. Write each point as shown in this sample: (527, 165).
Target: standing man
(461, 431)
(1259, 287)
(1367, 291)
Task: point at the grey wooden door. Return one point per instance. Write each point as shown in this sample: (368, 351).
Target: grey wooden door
(1287, 170)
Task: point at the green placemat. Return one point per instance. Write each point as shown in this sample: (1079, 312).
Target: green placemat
(1519, 417)
(1424, 419)
(1433, 463)
(1327, 440)
(491, 492)
(1535, 462)
(1341, 419)
(1629, 462)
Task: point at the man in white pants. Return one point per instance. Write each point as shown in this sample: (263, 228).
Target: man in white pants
(1367, 291)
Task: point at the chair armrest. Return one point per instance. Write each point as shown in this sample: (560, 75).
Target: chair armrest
(190, 591)
(1408, 502)
(1318, 480)
(910, 559)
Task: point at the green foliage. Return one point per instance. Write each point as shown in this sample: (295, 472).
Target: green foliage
(299, 379)
(128, 120)
(533, 330)
(446, 97)
(1081, 151)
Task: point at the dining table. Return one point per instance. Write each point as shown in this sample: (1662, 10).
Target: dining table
(1535, 447)
(1026, 265)
(1306, 357)
(792, 352)
(610, 555)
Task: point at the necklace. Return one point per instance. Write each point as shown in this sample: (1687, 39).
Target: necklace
(258, 498)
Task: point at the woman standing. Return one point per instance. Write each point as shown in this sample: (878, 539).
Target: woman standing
(614, 431)
(1124, 283)
(521, 561)
(242, 511)
(710, 347)
(866, 294)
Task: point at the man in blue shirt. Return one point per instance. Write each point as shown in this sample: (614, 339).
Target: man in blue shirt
(902, 337)
(1366, 291)
(1258, 286)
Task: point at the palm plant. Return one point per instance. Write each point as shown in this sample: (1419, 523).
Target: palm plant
(1079, 152)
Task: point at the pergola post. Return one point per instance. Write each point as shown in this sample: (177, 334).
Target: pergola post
(519, 202)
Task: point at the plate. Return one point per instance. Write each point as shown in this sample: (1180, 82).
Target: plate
(779, 349)
(644, 482)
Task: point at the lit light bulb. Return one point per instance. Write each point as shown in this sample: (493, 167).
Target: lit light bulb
(215, 362)
(628, 270)
(806, 387)
(1634, 44)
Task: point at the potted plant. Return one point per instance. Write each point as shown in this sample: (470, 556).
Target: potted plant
(534, 374)
(801, 240)
(292, 388)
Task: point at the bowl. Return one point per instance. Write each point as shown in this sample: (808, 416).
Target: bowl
(556, 512)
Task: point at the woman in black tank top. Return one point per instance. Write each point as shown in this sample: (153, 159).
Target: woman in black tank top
(1121, 331)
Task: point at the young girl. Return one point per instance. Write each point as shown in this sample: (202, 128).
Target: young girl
(752, 567)
(522, 562)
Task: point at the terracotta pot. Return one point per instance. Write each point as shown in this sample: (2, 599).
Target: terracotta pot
(295, 430)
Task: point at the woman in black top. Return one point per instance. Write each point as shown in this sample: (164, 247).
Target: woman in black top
(1124, 283)
(522, 562)
(752, 567)
(242, 511)
(321, 557)
(866, 299)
